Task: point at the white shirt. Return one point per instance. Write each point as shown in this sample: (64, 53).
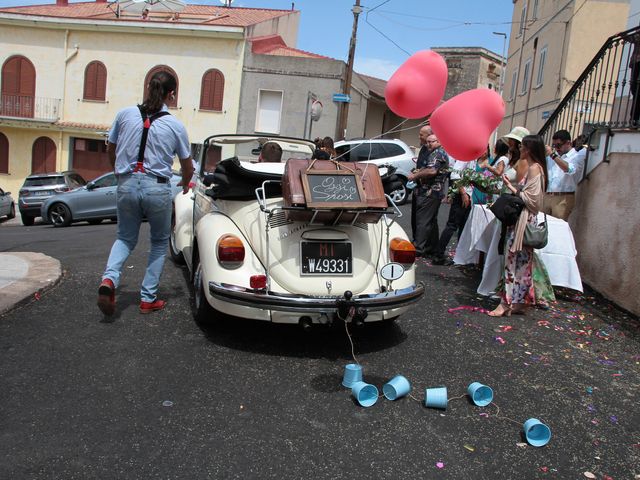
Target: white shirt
(456, 167)
(565, 182)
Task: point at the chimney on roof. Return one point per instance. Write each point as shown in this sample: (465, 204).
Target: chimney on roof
(62, 3)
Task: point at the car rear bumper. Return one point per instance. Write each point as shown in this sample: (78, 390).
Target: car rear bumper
(282, 302)
(32, 210)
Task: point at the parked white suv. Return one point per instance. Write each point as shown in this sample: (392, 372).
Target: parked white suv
(381, 152)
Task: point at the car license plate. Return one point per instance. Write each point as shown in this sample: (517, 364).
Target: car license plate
(326, 258)
(42, 193)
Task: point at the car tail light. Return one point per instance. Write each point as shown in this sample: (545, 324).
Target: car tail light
(62, 189)
(258, 282)
(24, 193)
(402, 251)
(230, 251)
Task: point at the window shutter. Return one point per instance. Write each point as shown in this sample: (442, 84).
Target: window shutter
(90, 82)
(218, 90)
(4, 153)
(206, 99)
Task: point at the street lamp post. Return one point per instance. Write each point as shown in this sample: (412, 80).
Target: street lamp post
(503, 66)
(504, 59)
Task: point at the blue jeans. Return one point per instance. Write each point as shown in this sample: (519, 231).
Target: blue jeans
(141, 196)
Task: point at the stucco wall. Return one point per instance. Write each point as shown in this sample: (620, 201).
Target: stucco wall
(605, 227)
(295, 77)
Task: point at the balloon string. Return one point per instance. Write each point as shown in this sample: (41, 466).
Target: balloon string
(416, 399)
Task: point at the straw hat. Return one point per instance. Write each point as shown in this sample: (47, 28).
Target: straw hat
(518, 133)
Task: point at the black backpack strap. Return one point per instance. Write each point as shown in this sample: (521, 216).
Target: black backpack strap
(146, 124)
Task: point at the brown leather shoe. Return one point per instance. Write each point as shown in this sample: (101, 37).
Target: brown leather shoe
(107, 297)
(149, 307)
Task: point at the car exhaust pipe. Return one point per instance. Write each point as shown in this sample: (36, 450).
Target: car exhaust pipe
(306, 323)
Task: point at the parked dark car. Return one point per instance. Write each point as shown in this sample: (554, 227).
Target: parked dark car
(7, 205)
(39, 187)
(94, 202)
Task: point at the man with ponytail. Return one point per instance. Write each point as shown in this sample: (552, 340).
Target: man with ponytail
(143, 142)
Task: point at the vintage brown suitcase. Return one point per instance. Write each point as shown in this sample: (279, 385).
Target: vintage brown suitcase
(372, 204)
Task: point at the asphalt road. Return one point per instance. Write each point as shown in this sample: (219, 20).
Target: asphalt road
(160, 396)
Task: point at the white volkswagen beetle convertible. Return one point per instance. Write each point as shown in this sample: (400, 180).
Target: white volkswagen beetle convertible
(292, 241)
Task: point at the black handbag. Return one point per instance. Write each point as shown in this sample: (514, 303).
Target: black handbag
(536, 236)
(507, 208)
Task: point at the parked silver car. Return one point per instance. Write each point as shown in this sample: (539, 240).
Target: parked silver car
(7, 205)
(380, 152)
(94, 202)
(37, 188)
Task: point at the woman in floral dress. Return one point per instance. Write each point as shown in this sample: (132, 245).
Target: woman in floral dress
(517, 286)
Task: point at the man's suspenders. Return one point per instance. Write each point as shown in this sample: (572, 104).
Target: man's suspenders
(147, 121)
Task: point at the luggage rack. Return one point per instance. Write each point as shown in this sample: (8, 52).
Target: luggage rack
(340, 212)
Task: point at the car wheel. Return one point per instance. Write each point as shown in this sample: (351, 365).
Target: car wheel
(12, 212)
(27, 221)
(60, 215)
(399, 196)
(203, 311)
(95, 221)
(176, 254)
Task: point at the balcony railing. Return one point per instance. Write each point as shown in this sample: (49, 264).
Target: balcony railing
(26, 106)
(607, 93)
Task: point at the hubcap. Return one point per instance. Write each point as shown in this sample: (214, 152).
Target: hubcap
(57, 214)
(398, 195)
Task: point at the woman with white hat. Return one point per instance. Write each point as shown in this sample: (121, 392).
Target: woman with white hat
(515, 171)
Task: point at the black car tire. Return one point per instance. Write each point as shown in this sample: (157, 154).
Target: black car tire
(176, 255)
(12, 212)
(59, 215)
(95, 221)
(28, 221)
(203, 312)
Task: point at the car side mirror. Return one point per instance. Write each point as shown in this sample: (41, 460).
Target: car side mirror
(7, 193)
(90, 186)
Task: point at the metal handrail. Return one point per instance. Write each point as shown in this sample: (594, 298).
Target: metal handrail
(606, 94)
(29, 107)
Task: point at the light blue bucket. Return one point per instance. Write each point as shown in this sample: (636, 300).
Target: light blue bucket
(480, 394)
(364, 393)
(396, 388)
(436, 397)
(352, 374)
(536, 432)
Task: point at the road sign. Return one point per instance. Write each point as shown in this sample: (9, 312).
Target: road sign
(341, 97)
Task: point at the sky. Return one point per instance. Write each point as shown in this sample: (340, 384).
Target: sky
(389, 31)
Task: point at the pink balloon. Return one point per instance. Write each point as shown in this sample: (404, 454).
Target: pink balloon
(417, 87)
(464, 123)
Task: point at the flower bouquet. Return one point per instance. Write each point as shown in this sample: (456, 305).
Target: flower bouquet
(484, 181)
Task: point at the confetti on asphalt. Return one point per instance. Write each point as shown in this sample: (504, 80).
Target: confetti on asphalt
(589, 475)
(500, 340)
(37, 295)
(469, 308)
(440, 464)
(544, 469)
(470, 448)
(521, 445)
(167, 403)
(613, 419)
(589, 390)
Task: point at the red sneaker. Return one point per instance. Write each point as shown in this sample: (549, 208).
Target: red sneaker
(107, 297)
(148, 307)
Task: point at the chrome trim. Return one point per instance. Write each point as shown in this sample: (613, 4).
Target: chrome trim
(284, 302)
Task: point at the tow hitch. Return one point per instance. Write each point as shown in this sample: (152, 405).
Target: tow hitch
(347, 310)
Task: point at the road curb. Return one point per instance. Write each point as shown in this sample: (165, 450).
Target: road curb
(43, 274)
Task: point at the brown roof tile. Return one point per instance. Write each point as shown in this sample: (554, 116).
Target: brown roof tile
(199, 14)
(376, 85)
(84, 126)
(275, 45)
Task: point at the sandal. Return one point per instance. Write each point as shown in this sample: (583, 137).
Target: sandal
(501, 311)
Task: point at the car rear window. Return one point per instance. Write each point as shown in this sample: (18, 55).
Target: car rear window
(43, 181)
